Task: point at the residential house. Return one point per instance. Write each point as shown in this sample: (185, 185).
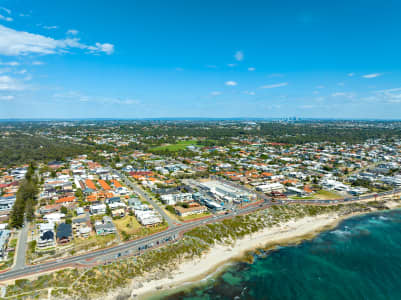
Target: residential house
(105, 227)
(64, 233)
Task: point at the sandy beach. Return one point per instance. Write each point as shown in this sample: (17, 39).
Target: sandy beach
(195, 270)
(189, 272)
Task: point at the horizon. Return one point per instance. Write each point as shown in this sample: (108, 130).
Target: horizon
(240, 119)
(199, 60)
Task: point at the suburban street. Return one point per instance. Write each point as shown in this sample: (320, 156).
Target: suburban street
(144, 195)
(20, 255)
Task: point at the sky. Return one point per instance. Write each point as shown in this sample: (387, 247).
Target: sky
(190, 58)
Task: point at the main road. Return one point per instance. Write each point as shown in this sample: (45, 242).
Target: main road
(124, 249)
(135, 246)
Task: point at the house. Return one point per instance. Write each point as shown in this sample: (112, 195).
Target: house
(134, 202)
(120, 212)
(148, 217)
(79, 222)
(271, 187)
(49, 208)
(7, 201)
(105, 227)
(46, 239)
(295, 191)
(193, 210)
(54, 217)
(80, 211)
(43, 227)
(84, 231)
(66, 200)
(98, 209)
(113, 200)
(64, 233)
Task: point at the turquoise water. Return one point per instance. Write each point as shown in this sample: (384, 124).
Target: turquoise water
(360, 259)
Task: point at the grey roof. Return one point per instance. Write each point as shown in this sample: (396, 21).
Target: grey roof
(105, 227)
(81, 219)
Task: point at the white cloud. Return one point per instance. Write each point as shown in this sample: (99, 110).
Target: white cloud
(8, 83)
(13, 43)
(239, 55)
(351, 74)
(251, 93)
(389, 96)
(251, 69)
(7, 97)
(8, 19)
(320, 87)
(6, 10)
(50, 27)
(37, 63)
(215, 93)
(231, 83)
(231, 65)
(276, 85)
(374, 75)
(343, 94)
(307, 106)
(106, 48)
(10, 63)
(72, 31)
(71, 95)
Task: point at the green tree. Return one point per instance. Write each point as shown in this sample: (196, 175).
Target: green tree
(64, 210)
(108, 210)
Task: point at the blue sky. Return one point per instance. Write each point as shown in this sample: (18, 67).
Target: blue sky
(140, 59)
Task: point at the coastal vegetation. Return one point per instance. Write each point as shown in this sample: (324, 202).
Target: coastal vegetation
(85, 283)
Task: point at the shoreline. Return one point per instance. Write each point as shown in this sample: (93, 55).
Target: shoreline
(219, 257)
(190, 272)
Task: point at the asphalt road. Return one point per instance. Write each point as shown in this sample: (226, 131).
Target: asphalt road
(127, 248)
(131, 247)
(20, 258)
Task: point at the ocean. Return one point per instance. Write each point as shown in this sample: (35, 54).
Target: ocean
(359, 259)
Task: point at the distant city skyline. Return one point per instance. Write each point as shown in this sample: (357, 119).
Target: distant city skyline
(200, 59)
